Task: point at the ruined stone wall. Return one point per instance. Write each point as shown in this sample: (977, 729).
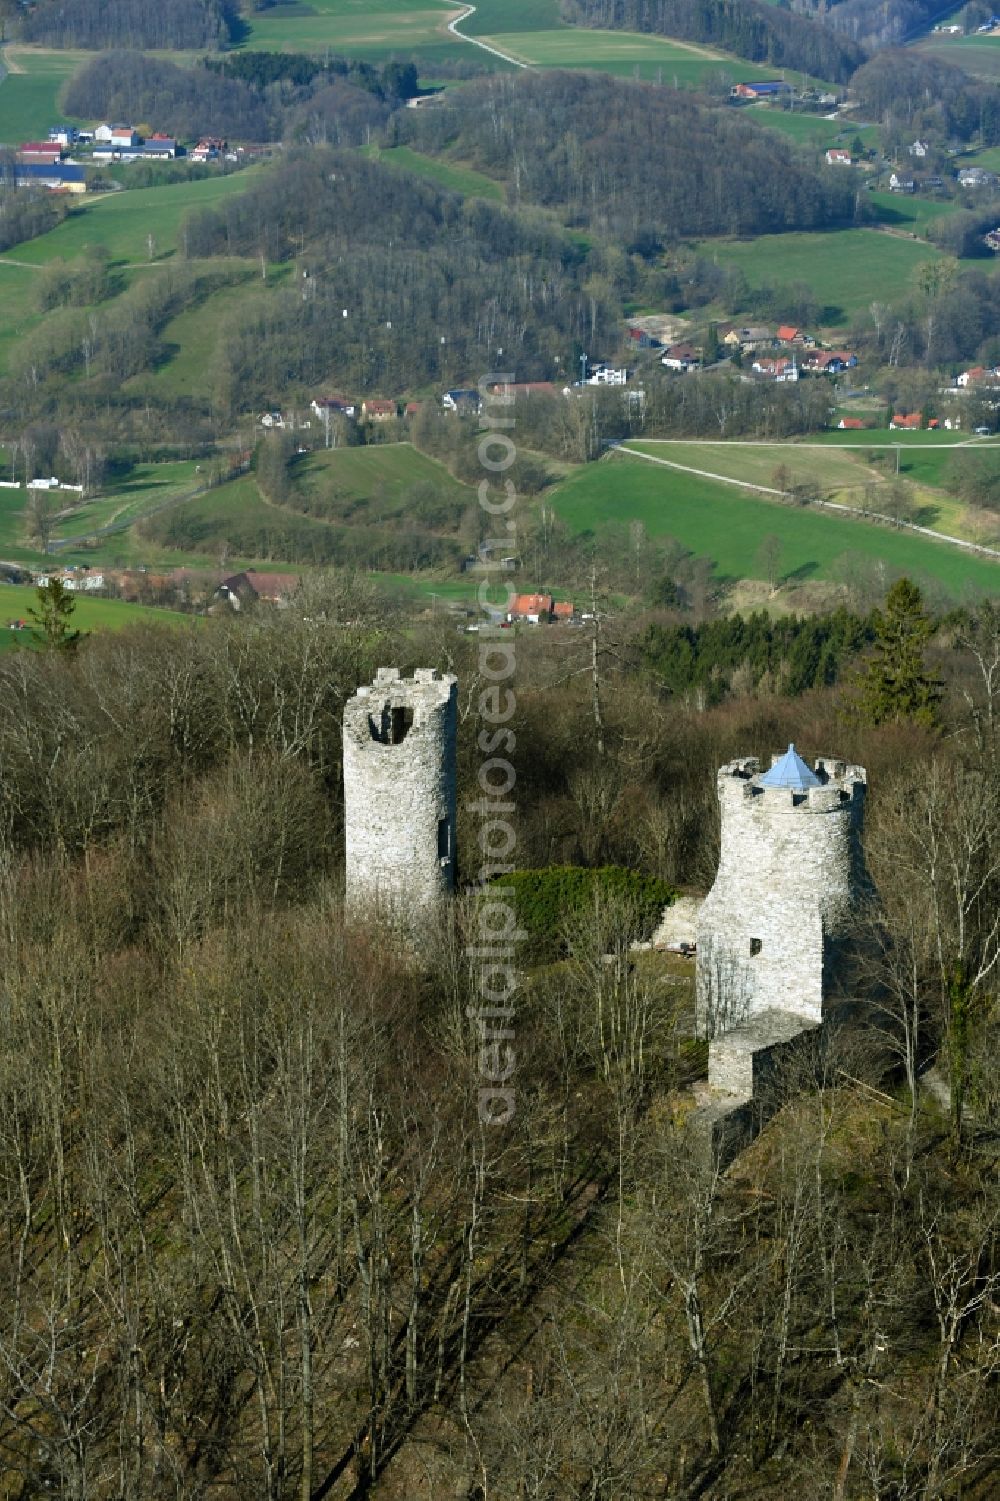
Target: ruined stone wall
(399, 794)
(773, 929)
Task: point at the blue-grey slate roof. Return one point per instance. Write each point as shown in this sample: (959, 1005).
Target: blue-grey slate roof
(790, 771)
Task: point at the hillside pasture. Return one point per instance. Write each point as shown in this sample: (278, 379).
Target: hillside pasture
(374, 29)
(810, 130)
(923, 457)
(16, 600)
(976, 54)
(496, 17)
(719, 522)
(382, 474)
(916, 213)
(192, 337)
(451, 175)
(29, 92)
(18, 314)
(122, 222)
(837, 471)
(846, 269)
(629, 55)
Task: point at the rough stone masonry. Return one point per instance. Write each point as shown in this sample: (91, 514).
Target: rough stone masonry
(776, 930)
(399, 795)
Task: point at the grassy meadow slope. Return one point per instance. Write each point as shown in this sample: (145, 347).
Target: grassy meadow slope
(29, 94)
(719, 522)
(845, 269)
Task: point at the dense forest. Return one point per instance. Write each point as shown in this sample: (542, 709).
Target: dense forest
(256, 1240)
(874, 23)
(905, 91)
(632, 161)
(186, 102)
(759, 32)
(24, 214)
(261, 70)
(180, 25)
(335, 102)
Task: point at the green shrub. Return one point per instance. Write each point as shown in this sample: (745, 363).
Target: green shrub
(550, 901)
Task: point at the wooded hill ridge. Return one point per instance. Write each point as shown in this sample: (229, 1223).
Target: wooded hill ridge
(179, 25)
(257, 96)
(910, 92)
(620, 157)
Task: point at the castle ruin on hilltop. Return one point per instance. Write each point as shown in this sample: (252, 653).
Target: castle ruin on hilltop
(399, 795)
(776, 931)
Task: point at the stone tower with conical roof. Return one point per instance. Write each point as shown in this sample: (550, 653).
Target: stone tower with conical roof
(775, 929)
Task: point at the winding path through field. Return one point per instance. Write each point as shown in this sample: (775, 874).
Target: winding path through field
(826, 505)
(470, 10)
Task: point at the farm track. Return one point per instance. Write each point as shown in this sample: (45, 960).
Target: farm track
(857, 512)
(470, 10)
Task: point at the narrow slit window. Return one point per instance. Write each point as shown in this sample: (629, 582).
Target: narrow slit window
(756, 944)
(444, 839)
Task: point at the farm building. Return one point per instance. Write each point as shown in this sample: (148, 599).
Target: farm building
(772, 89)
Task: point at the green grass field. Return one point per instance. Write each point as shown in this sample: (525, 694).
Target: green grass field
(915, 213)
(383, 473)
(809, 130)
(192, 338)
(719, 522)
(495, 16)
(122, 222)
(355, 28)
(989, 158)
(143, 489)
(29, 98)
(756, 463)
(118, 222)
(845, 268)
(976, 54)
(923, 457)
(629, 54)
(90, 614)
(843, 473)
(464, 180)
(17, 306)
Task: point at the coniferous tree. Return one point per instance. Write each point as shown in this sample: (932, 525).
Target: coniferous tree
(54, 615)
(895, 683)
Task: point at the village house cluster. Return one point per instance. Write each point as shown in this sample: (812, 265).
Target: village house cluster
(60, 163)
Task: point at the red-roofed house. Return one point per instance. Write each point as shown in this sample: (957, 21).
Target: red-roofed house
(831, 361)
(779, 367)
(563, 612)
(40, 151)
(837, 157)
(333, 404)
(248, 587)
(788, 334)
(854, 423)
(970, 377)
(680, 357)
(911, 421)
(536, 609)
(377, 410)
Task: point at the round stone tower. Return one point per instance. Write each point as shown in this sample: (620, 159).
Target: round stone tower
(774, 930)
(399, 794)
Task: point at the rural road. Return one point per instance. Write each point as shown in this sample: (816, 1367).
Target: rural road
(470, 10)
(826, 505)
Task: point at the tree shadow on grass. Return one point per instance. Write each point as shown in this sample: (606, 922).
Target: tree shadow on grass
(801, 574)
